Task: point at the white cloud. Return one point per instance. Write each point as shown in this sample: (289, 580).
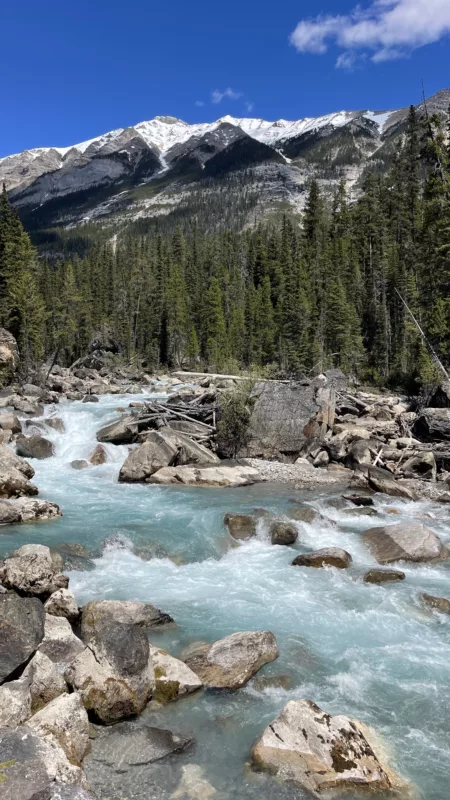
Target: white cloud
(199, 103)
(249, 106)
(217, 96)
(388, 29)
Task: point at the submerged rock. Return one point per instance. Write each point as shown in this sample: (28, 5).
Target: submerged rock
(229, 663)
(193, 785)
(173, 678)
(327, 557)
(207, 476)
(56, 423)
(406, 541)
(21, 631)
(436, 603)
(127, 745)
(321, 754)
(79, 463)
(34, 569)
(34, 447)
(98, 456)
(283, 533)
(303, 514)
(384, 576)
(240, 526)
(31, 766)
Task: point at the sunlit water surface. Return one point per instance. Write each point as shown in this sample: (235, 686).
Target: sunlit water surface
(367, 651)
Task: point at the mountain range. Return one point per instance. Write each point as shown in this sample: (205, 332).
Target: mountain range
(228, 172)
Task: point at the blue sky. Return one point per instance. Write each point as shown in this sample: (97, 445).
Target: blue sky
(73, 70)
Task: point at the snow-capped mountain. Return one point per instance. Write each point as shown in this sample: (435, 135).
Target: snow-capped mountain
(150, 168)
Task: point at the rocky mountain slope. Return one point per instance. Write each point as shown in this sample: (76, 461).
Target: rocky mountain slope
(236, 169)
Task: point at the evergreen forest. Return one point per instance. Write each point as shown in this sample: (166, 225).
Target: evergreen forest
(347, 285)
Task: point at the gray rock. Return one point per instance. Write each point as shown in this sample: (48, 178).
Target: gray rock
(384, 576)
(303, 514)
(21, 631)
(383, 481)
(127, 612)
(359, 499)
(9, 460)
(206, 476)
(229, 663)
(31, 764)
(34, 570)
(59, 791)
(173, 678)
(15, 703)
(9, 513)
(127, 745)
(114, 674)
(327, 557)
(60, 644)
(56, 423)
(27, 509)
(98, 456)
(436, 603)
(14, 472)
(421, 466)
(322, 754)
(123, 431)
(163, 448)
(34, 447)
(240, 526)
(283, 533)
(45, 681)
(433, 424)
(10, 422)
(62, 603)
(406, 541)
(90, 398)
(64, 721)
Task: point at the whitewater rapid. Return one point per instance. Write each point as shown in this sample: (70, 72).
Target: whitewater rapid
(371, 652)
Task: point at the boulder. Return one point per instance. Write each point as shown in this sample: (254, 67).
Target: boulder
(27, 406)
(384, 576)
(156, 452)
(45, 681)
(173, 678)
(283, 533)
(90, 398)
(127, 612)
(240, 526)
(126, 745)
(9, 513)
(405, 541)
(14, 472)
(383, 481)
(31, 765)
(64, 721)
(279, 416)
(21, 631)
(122, 431)
(207, 476)
(433, 424)
(60, 644)
(322, 754)
(15, 703)
(34, 447)
(60, 791)
(34, 569)
(421, 466)
(26, 509)
(114, 673)
(303, 514)
(9, 356)
(98, 456)
(327, 557)
(322, 459)
(436, 603)
(229, 663)
(359, 499)
(9, 422)
(62, 603)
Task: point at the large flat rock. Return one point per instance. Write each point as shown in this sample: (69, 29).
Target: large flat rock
(21, 631)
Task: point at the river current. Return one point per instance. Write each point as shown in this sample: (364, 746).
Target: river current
(371, 652)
